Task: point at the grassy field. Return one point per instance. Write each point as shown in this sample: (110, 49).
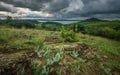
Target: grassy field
(40, 52)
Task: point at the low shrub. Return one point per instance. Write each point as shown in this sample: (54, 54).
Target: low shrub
(68, 36)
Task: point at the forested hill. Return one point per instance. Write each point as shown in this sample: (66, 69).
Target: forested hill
(109, 29)
(93, 20)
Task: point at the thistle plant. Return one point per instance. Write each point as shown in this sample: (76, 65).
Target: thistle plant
(46, 70)
(74, 54)
(51, 58)
(39, 52)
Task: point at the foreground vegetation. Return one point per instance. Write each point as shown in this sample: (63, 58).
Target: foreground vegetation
(40, 52)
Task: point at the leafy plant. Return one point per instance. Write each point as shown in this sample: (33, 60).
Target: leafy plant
(74, 54)
(52, 59)
(39, 52)
(57, 57)
(46, 70)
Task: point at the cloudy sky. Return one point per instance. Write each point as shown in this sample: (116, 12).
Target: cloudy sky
(71, 9)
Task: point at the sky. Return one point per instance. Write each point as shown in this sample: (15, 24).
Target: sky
(60, 9)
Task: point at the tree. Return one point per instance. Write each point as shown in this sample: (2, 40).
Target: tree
(8, 19)
(75, 28)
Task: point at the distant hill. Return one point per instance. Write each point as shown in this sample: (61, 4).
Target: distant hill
(93, 20)
(51, 23)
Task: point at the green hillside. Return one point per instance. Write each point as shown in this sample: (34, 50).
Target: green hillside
(83, 48)
(47, 52)
(108, 29)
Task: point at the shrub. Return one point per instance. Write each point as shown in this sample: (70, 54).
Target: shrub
(68, 36)
(109, 32)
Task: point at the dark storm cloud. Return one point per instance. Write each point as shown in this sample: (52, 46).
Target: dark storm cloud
(63, 8)
(101, 7)
(38, 5)
(56, 5)
(97, 8)
(32, 4)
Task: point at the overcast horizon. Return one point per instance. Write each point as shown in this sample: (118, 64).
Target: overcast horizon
(61, 9)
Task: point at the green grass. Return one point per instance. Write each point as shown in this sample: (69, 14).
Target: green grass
(107, 49)
(21, 38)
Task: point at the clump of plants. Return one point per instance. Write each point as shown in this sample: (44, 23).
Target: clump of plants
(5, 36)
(68, 35)
(52, 59)
(36, 41)
(18, 44)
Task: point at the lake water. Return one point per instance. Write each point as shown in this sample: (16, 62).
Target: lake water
(62, 22)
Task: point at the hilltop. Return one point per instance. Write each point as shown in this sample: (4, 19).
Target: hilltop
(93, 20)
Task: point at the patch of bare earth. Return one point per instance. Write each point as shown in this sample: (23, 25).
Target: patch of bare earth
(11, 62)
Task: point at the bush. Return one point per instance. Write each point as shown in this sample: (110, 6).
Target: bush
(109, 32)
(68, 36)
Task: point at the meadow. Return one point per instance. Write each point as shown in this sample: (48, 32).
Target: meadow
(37, 51)
(90, 47)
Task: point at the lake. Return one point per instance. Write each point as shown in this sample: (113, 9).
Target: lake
(62, 22)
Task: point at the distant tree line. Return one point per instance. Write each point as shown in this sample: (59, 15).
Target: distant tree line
(17, 23)
(51, 26)
(109, 29)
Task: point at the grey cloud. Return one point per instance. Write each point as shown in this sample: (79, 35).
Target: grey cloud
(65, 8)
(94, 7)
(101, 7)
(56, 5)
(33, 5)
